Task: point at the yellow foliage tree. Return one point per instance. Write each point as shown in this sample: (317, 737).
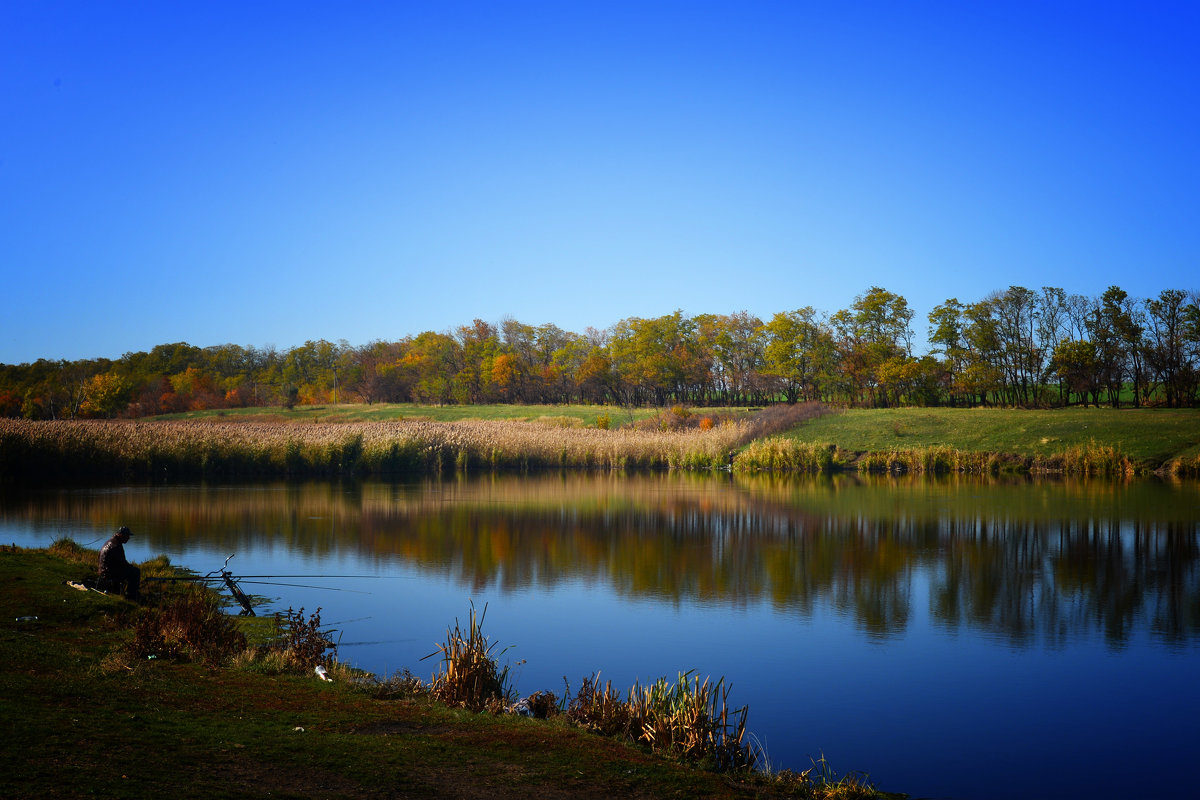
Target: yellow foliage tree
(104, 395)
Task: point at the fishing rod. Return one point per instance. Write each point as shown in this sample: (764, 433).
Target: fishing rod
(222, 575)
(233, 584)
(301, 585)
(317, 576)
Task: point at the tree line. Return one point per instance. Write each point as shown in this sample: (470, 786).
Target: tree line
(1019, 347)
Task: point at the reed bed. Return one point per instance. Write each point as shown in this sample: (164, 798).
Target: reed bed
(181, 449)
(938, 460)
(687, 718)
(692, 720)
(1091, 459)
(781, 454)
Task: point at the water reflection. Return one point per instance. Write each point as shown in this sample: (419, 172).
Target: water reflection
(1018, 560)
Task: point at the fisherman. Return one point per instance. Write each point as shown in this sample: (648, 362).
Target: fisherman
(115, 570)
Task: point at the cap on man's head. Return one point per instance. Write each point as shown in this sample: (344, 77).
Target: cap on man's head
(123, 530)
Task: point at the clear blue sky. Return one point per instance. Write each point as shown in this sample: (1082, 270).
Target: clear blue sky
(266, 173)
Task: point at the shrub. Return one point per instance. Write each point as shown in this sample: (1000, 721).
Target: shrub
(302, 640)
(397, 686)
(190, 626)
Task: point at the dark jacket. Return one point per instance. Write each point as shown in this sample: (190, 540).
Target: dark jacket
(113, 564)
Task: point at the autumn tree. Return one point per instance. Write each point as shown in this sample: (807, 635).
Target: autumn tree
(431, 362)
(799, 353)
(876, 329)
(651, 359)
(480, 345)
(105, 394)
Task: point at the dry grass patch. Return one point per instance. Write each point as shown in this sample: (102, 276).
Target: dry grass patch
(163, 450)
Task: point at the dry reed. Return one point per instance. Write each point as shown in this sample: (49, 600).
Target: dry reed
(118, 449)
(1184, 466)
(938, 460)
(693, 720)
(470, 676)
(780, 454)
(1087, 460)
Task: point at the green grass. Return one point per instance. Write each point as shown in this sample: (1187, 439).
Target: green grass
(1148, 437)
(91, 721)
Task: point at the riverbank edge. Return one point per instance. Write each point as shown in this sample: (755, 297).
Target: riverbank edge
(87, 718)
(784, 455)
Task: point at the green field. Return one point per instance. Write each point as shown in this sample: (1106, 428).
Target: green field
(1148, 437)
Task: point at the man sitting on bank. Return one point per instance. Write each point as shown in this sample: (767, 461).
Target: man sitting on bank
(115, 571)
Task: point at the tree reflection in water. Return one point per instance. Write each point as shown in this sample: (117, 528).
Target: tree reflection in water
(1021, 560)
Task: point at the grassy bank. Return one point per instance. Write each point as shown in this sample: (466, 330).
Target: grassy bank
(803, 438)
(1085, 441)
(97, 716)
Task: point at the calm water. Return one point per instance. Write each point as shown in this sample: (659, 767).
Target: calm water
(952, 638)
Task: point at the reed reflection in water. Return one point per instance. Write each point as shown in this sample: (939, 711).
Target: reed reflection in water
(886, 622)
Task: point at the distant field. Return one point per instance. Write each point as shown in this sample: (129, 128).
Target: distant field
(1146, 436)
(355, 412)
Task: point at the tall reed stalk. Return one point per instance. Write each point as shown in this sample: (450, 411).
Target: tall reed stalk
(693, 720)
(470, 676)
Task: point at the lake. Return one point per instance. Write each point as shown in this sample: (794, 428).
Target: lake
(953, 637)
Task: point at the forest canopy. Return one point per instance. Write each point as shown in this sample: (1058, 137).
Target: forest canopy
(1019, 347)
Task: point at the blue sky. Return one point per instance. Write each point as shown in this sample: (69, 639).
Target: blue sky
(266, 173)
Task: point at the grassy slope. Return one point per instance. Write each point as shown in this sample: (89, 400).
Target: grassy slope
(181, 730)
(1149, 436)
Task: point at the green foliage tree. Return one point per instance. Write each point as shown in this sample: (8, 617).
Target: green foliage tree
(1075, 361)
(946, 337)
(799, 353)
